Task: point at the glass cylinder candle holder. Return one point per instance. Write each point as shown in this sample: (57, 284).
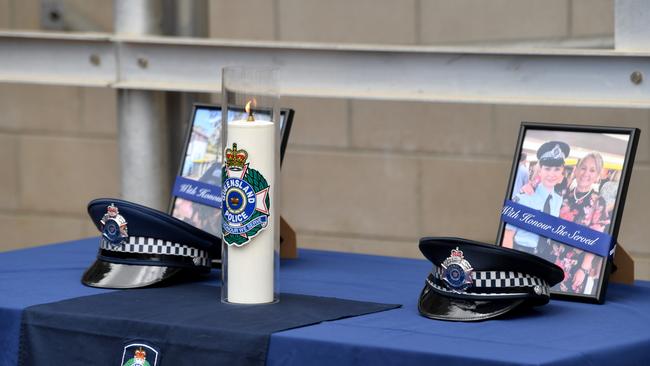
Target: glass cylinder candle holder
(250, 185)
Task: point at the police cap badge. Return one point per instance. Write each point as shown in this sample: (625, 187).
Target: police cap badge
(476, 281)
(553, 153)
(140, 246)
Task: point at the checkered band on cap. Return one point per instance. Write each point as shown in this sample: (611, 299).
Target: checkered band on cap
(493, 283)
(144, 245)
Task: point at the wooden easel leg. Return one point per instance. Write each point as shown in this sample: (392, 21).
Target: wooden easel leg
(624, 267)
(288, 245)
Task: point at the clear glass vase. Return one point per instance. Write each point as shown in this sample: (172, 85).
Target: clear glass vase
(250, 186)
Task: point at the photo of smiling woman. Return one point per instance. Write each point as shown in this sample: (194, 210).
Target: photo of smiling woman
(573, 176)
(583, 205)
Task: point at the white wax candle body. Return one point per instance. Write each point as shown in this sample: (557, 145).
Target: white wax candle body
(250, 271)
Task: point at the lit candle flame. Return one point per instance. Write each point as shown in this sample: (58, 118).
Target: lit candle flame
(249, 111)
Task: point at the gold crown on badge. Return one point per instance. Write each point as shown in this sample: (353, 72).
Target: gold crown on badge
(236, 159)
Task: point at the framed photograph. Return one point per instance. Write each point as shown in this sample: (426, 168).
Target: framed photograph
(196, 195)
(565, 200)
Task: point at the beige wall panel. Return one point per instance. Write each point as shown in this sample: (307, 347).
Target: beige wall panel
(8, 171)
(5, 14)
(88, 228)
(39, 108)
(63, 174)
(429, 127)
(393, 248)
(27, 14)
(462, 197)
(318, 121)
(508, 119)
(359, 21)
(99, 111)
(592, 18)
(348, 193)
(97, 13)
(444, 21)
(243, 19)
(21, 231)
(635, 225)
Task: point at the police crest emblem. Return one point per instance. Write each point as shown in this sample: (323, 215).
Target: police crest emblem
(139, 354)
(457, 271)
(113, 226)
(245, 199)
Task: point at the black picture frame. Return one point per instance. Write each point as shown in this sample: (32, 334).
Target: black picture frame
(554, 130)
(286, 120)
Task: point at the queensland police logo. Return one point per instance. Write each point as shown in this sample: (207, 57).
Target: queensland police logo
(245, 199)
(113, 226)
(139, 354)
(457, 272)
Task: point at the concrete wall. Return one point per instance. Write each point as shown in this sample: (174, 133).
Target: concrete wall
(358, 176)
(411, 21)
(58, 150)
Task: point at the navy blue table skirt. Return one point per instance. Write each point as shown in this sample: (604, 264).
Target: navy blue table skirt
(561, 333)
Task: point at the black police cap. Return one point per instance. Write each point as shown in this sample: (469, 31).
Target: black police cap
(475, 281)
(140, 246)
(553, 153)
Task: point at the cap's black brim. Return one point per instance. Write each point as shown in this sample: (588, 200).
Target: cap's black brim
(443, 307)
(113, 275)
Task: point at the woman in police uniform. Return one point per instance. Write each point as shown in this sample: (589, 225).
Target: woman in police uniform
(550, 157)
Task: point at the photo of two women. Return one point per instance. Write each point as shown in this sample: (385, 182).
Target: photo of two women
(574, 176)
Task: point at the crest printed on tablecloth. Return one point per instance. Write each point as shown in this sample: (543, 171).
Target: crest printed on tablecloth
(245, 199)
(139, 354)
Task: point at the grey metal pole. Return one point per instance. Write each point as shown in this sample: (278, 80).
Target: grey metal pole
(143, 137)
(632, 25)
(189, 19)
(137, 17)
(183, 18)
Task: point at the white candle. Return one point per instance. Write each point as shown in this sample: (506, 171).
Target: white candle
(250, 269)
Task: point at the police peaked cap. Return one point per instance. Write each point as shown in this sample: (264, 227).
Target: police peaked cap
(140, 246)
(475, 281)
(553, 153)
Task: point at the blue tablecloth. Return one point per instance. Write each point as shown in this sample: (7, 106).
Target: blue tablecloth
(561, 333)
